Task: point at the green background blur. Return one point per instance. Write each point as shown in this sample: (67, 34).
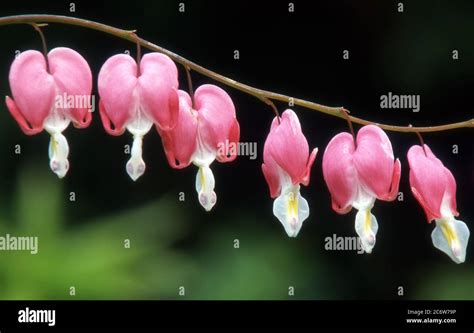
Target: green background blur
(177, 244)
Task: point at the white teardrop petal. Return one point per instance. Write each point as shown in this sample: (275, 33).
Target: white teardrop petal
(139, 126)
(451, 236)
(292, 210)
(205, 188)
(58, 154)
(366, 227)
(136, 166)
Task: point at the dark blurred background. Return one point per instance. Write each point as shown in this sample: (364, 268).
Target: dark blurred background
(176, 243)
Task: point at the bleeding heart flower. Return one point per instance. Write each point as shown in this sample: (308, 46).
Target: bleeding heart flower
(135, 98)
(204, 132)
(44, 97)
(287, 164)
(356, 176)
(434, 186)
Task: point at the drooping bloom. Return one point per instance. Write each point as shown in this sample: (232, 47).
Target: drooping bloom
(205, 131)
(46, 95)
(358, 175)
(287, 164)
(136, 97)
(434, 186)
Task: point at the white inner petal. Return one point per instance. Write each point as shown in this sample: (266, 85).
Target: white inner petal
(451, 236)
(205, 187)
(290, 207)
(58, 150)
(136, 166)
(366, 227)
(445, 208)
(139, 125)
(58, 154)
(56, 122)
(364, 200)
(203, 155)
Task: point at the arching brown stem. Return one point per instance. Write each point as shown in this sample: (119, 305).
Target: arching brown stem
(261, 94)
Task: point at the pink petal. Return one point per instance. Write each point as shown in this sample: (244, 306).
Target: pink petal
(397, 170)
(450, 181)
(116, 83)
(158, 88)
(269, 166)
(374, 161)
(427, 181)
(73, 76)
(108, 126)
(289, 147)
(33, 91)
(430, 181)
(234, 137)
(286, 152)
(340, 173)
(309, 165)
(430, 215)
(180, 142)
(15, 112)
(271, 174)
(216, 114)
(451, 191)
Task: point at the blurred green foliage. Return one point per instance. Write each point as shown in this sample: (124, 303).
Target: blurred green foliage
(258, 265)
(91, 256)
